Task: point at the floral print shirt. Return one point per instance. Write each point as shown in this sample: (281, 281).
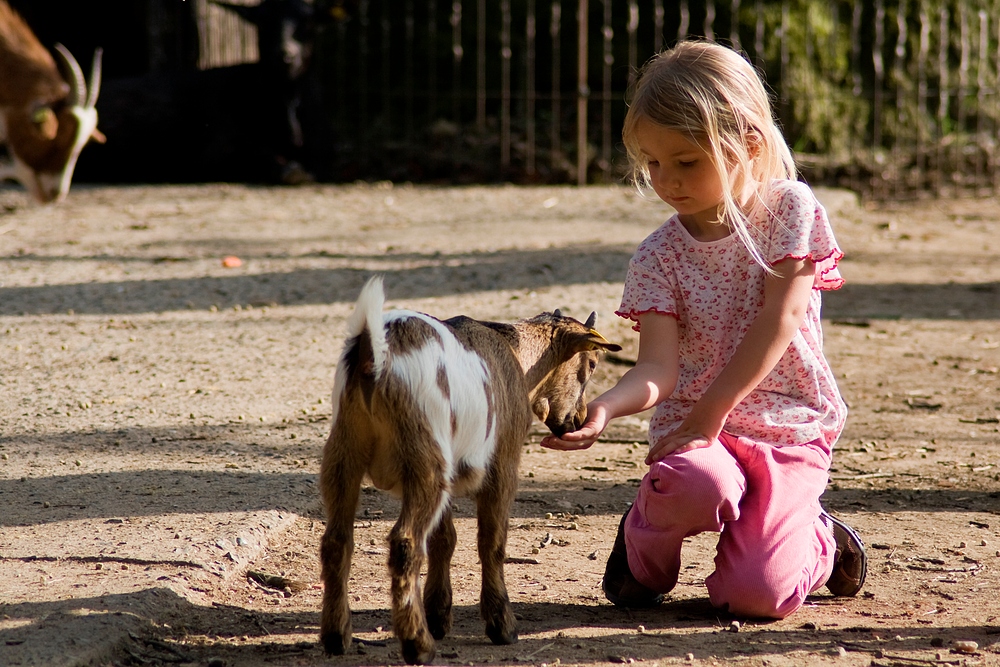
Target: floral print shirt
(715, 290)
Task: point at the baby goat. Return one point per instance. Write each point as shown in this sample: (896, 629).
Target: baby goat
(432, 409)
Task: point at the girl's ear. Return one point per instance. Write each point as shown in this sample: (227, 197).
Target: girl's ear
(754, 143)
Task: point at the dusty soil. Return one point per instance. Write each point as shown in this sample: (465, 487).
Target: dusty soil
(162, 417)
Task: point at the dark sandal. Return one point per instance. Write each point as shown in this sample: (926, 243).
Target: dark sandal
(850, 563)
(619, 586)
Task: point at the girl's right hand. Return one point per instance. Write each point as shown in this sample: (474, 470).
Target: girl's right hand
(585, 436)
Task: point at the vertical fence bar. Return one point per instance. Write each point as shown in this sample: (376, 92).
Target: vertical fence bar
(608, 59)
(555, 129)
(708, 27)
(529, 93)
(785, 60)
(734, 25)
(994, 166)
(899, 76)
(431, 61)
(386, 26)
(685, 23)
(658, 16)
(943, 98)
(582, 92)
(632, 27)
(856, 91)
(961, 107)
(408, 78)
(922, 124)
(982, 68)
(505, 57)
(481, 66)
(878, 64)
(994, 156)
(341, 74)
(758, 36)
(362, 133)
(457, 52)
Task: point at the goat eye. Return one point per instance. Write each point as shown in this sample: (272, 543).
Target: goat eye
(41, 116)
(593, 365)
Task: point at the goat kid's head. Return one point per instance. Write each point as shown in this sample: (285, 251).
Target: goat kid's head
(45, 138)
(559, 399)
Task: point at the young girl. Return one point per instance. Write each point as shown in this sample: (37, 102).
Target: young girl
(726, 297)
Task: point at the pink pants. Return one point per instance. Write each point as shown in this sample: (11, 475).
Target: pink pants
(773, 551)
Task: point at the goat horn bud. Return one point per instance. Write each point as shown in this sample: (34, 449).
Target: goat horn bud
(592, 320)
(77, 84)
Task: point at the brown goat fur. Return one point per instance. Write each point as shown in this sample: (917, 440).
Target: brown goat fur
(428, 410)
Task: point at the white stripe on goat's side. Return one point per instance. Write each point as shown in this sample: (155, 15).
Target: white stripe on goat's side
(474, 438)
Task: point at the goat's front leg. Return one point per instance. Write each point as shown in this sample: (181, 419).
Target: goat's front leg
(493, 504)
(341, 484)
(437, 589)
(423, 497)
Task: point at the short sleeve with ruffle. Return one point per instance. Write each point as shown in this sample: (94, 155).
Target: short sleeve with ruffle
(648, 287)
(800, 229)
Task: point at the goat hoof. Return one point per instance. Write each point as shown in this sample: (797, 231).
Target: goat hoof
(413, 655)
(334, 643)
(439, 625)
(501, 637)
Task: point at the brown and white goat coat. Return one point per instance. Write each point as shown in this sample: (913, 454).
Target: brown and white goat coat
(44, 121)
(430, 409)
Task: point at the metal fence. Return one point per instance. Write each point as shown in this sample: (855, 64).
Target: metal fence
(893, 98)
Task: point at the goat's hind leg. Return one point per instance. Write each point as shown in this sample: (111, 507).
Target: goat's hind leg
(340, 480)
(424, 494)
(437, 588)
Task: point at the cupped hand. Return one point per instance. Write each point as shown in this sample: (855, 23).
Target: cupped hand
(582, 438)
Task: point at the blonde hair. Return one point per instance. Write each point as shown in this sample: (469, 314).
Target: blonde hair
(714, 96)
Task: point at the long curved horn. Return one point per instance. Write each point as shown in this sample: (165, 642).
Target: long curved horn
(94, 89)
(77, 84)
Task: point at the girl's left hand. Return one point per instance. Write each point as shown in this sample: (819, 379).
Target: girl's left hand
(678, 442)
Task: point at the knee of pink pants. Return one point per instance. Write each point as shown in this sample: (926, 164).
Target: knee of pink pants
(681, 495)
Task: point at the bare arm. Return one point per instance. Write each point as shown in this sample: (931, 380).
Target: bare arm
(786, 298)
(650, 381)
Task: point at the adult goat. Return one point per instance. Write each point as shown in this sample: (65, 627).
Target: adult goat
(45, 121)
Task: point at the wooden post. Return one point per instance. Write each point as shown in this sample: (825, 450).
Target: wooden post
(582, 95)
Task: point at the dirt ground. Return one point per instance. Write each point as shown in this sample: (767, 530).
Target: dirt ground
(162, 417)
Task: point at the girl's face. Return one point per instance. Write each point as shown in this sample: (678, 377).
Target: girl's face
(683, 175)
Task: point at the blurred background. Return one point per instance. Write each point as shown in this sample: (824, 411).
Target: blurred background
(891, 98)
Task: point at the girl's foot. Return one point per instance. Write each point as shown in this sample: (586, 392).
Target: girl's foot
(620, 587)
(850, 563)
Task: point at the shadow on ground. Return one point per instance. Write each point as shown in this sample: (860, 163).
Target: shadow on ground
(151, 622)
(437, 276)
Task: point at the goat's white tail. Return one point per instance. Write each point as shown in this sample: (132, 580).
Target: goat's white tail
(368, 315)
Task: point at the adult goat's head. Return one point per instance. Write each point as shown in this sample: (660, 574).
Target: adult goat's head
(44, 137)
(46, 116)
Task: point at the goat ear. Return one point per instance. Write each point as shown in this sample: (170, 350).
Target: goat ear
(592, 340)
